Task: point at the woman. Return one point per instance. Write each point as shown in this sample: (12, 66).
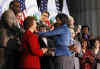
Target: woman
(86, 61)
(30, 55)
(62, 34)
(96, 49)
(75, 47)
(96, 52)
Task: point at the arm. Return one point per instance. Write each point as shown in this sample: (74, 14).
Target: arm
(55, 32)
(3, 37)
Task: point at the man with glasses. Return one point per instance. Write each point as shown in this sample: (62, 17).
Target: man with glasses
(47, 62)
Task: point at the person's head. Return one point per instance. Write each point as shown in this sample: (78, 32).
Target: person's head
(78, 29)
(71, 20)
(14, 5)
(85, 29)
(72, 33)
(19, 17)
(96, 43)
(84, 44)
(30, 22)
(61, 18)
(44, 16)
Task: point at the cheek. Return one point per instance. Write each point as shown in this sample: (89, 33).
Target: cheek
(85, 44)
(97, 43)
(35, 26)
(72, 22)
(44, 18)
(98, 46)
(73, 35)
(82, 44)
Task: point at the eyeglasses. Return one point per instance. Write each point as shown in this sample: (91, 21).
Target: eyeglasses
(46, 15)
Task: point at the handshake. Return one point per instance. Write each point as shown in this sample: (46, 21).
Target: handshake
(44, 50)
(49, 51)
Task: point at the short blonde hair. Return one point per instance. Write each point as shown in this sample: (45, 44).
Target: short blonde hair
(70, 18)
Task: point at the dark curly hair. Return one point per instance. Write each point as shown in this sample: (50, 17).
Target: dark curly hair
(63, 18)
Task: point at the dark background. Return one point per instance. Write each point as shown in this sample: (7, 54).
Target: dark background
(86, 12)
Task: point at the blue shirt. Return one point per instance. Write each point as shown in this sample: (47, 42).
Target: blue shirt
(62, 35)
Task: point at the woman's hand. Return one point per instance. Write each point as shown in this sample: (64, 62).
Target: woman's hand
(77, 49)
(44, 50)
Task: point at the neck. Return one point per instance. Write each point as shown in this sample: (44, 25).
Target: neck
(32, 30)
(84, 50)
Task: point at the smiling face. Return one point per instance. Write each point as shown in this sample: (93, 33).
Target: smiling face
(85, 29)
(44, 17)
(72, 33)
(84, 44)
(97, 44)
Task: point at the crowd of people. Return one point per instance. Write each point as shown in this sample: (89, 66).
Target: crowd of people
(29, 44)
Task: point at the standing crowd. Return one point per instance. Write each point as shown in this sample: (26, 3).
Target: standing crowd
(29, 44)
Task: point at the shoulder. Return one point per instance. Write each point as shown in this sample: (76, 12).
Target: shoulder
(30, 35)
(65, 27)
(8, 12)
(8, 15)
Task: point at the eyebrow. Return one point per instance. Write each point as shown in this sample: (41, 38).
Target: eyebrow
(45, 15)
